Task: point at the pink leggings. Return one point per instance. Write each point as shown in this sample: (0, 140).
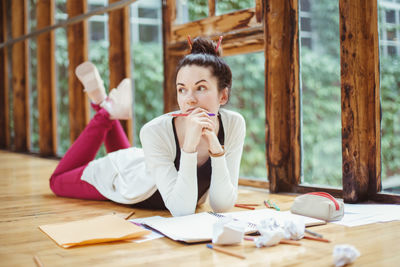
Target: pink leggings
(66, 179)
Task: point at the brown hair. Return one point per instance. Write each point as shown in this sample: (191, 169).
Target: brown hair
(205, 54)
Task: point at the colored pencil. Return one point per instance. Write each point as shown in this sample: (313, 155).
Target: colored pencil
(274, 205)
(129, 215)
(266, 204)
(37, 261)
(290, 242)
(226, 251)
(316, 238)
(248, 238)
(247, 204)
(184, 114)
(313, 233)
(244, 206)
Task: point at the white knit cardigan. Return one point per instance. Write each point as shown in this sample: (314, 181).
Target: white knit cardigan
(132, 175)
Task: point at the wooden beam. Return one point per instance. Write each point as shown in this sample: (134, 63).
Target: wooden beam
(216, 25)
(46, 80)
(359, 53)
(170, 60)
(77, 35)
(243, 41)
(20, 76)
(282, 94)
(211, 8)
(119, 53)
(259, 10)
(4, 86)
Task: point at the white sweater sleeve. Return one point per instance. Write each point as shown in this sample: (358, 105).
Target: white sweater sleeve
(225, 169)
(177, 188)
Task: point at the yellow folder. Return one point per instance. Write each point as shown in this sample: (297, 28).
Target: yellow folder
(94, 230)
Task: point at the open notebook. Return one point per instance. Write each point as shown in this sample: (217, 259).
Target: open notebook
(198, 227)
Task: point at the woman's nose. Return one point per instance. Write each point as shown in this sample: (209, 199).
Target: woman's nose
(191, 98)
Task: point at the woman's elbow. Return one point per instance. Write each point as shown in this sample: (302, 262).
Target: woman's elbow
(222, 206)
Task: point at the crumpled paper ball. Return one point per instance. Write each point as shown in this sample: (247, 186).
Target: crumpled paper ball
(271, 233)
(228, 231)
(344, 254)
(294, 229)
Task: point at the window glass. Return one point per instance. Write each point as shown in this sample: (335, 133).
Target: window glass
(62, 62)
(191, 10)
(33, 97)
(147, 13)
(97, 30)
(320, 89)
(389, 27)
(248, 98)
(226, 6)
(148, 33)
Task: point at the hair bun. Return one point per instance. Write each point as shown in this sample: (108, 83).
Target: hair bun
(205, 46)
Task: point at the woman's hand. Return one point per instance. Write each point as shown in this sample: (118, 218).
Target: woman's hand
(198, 123)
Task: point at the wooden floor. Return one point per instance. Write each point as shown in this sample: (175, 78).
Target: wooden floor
(27, 202)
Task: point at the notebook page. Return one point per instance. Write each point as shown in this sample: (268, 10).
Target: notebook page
(191, 228)
(255, 216)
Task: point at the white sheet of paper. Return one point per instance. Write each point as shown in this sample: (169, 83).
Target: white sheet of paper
(153, 235)
(362, 214)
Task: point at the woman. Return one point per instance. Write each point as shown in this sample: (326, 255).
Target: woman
(186, 155)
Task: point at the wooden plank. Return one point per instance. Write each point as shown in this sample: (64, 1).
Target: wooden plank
(211, 8)
(215, 25)
(77, 36)
(46, 80)
(170, 61)
(360, 99)
(4, 85)
(259, 10)
(253, 183)
(243, 41)
(119, 53)
(282, 94)
(20, 76)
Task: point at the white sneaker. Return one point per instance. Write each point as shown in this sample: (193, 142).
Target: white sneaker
(119, 102)
(88, 74)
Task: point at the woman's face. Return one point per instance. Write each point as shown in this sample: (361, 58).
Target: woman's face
(197, 87)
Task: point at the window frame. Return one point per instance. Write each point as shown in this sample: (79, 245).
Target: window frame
(360, 100)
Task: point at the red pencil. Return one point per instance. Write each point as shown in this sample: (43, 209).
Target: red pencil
(184, 114)
(244, 206)
(317, 239)
(247, 204)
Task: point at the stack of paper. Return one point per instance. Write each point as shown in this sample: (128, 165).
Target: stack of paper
(95, 230)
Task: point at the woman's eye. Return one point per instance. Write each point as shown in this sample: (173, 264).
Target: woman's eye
(202, 88)
(181, 90)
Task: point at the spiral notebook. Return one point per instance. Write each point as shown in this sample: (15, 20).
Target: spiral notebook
(198, 227)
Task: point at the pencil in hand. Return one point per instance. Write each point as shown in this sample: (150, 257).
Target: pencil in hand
(226, 251)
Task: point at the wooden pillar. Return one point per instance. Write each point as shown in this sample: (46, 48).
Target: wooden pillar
(4, 86)
(282, 94)
(359, 52)
(20, 82)
(170, 61)
(211, 8)
(119, 53)
(46, 80)
(77, 35)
